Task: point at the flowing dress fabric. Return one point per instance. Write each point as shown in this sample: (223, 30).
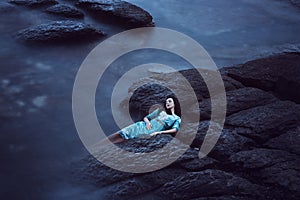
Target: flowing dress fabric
(159, 121)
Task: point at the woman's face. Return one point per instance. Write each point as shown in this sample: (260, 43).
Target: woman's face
(169, 103)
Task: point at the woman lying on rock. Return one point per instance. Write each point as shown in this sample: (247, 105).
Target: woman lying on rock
(160, 121)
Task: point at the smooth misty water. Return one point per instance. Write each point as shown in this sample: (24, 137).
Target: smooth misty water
(231, 31)
(38, 140)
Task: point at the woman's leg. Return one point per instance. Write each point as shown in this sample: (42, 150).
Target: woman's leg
(113, 138)
(116, 138)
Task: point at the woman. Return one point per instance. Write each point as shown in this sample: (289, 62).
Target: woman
(157, 122)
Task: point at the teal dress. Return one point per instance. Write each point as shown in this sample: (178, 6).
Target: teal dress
(159, 121)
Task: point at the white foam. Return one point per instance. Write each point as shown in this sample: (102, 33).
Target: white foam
(39, 101)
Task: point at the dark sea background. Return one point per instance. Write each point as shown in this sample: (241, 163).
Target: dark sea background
(38, 139)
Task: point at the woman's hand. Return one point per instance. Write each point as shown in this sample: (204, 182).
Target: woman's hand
(148, 125)
(155, 133)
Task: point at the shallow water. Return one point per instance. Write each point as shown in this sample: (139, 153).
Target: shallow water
(232, 31)
(38, 139)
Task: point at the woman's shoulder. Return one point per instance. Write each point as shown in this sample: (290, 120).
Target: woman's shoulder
(176, 117)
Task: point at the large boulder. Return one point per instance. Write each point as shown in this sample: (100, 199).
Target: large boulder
(278, 74)
(295, 2)
(153, 90)
(6, 7)
(209, 183)
(271, 166)
(65, 11)
(289, 141)
(229, 142)
(190, 161)
(199, 85)
(260, 158)
(34, 3)
(262, 123)
(91, 171)
(117, 11)
(237, 100)
(255, 157)
(140, 185)
(59, 31)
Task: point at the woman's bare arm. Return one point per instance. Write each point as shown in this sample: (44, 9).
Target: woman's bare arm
(173, 130)
(148, 124)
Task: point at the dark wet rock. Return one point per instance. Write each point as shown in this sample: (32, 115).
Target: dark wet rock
(128, 188)
(146, 145)
(278, 74)
(229, 197)
(155, 93)
(93, 171)
(160, 177)
(65, 11)
(289, 141)
(59, 31)
(117, 11)
(256, 156)
(201, 132)
(295, 2)
(229, 142)
(260, 158)
(285, 174)
(265, 122)
(271, 166)
(34, 3)
(208, 183)
(190, 161)
(153, 90)
(6, 7)
(238, 100)
(141, 145)
(199, 85)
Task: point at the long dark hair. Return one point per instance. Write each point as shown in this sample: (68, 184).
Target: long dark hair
(176, 104)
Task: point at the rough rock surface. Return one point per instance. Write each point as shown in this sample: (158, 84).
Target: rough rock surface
(228, 143)
(113, 12)
(265, 122)
(65, 10)
(240, 99)
(271, 166)
(117, 11)
(6, 7)
(161, 85)
(257, 154)
(208, 182)
(295, 2)
(59, 31)
(277, 74)
(289, 141)
(34, 3)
